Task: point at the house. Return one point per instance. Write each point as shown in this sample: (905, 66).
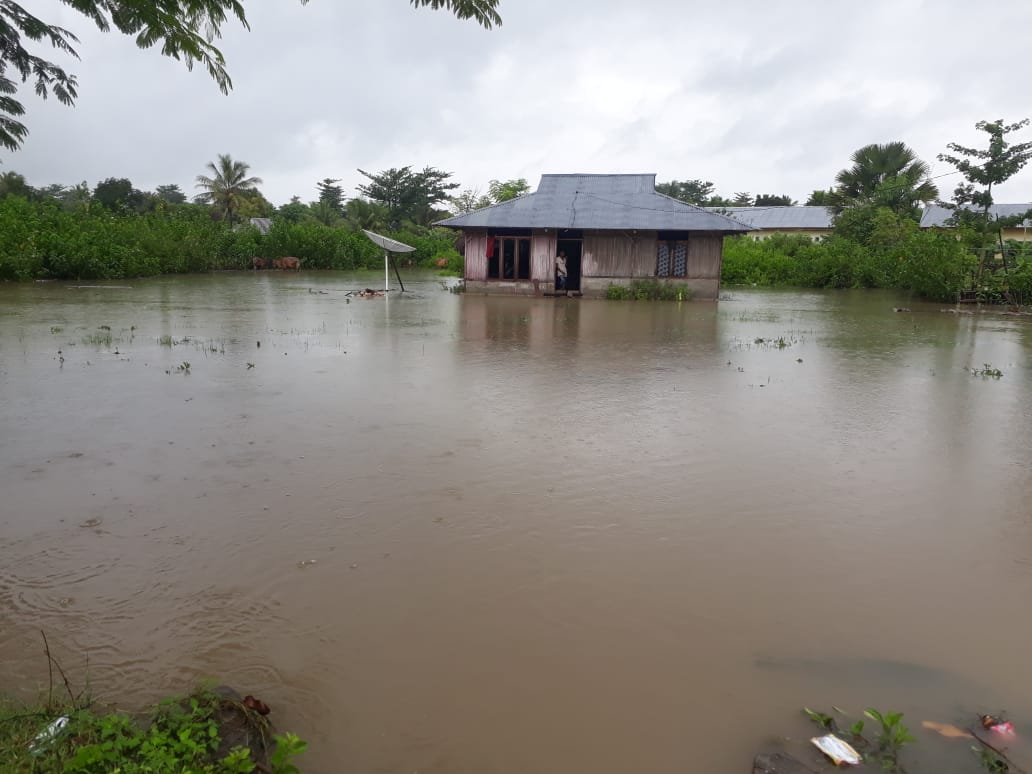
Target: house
(935, 216)
(613, 229)
(815, 223)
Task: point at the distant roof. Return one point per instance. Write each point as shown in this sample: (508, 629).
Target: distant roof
(262, 224)
(780, 217)
(935, 215)
(596, 202)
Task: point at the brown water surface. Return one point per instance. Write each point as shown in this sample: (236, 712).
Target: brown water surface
(455, 534)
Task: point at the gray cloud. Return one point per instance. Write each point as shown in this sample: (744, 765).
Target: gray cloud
(753, 95)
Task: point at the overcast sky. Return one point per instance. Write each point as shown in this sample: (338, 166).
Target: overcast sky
(753, 95)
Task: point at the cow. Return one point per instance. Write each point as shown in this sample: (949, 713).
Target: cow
(257, 263)
(287, 263)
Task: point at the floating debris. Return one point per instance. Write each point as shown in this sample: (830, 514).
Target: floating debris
(840, 752)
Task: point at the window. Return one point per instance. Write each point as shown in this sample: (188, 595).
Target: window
(509, 258)
(672, 259)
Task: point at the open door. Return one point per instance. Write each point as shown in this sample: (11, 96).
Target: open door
(573, 249)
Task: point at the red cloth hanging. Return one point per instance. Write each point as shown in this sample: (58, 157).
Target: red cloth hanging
(490, 246)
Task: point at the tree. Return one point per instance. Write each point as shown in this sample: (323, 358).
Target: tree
(225, 190)
(171, 193)
(982, 169)
(185, 29)
(742, 199)
(774, 200)
(502, 191)
(325, 213)
(254, 205)
(13, 184)
(821, 198)
(408, 195)
(431, 189)
(293, 211)
(365, 214)
(53, 191)
(331, 195)
(696, 192)
(469, 200)
(77, 198)
(889, 175)
(118, 194)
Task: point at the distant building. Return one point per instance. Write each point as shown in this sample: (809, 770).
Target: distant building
(262, 224)
(815, 223)
(614, 229)
(936, 217)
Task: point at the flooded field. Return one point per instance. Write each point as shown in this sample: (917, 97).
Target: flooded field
(456, 534)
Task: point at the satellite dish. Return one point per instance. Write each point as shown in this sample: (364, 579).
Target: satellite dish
(389, 246)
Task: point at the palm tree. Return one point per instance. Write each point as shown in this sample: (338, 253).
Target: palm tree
(889, 175)
(225, 188)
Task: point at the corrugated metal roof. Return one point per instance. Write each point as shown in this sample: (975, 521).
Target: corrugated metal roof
(262, 224)
(603, 202)
(936, 215)
(780, 217)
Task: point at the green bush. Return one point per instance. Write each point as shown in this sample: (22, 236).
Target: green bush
(200, 733)
(649, 290)
(871, 248)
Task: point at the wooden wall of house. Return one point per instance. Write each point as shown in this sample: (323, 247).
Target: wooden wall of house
(619, 255)
(542, 256)
(476, 256)
(704, 254)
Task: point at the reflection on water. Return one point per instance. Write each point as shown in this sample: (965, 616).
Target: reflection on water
(467, 534)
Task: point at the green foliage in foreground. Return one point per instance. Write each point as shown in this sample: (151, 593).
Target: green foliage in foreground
(871, 249)
(181, 735)
(40, 240)
(883, 749)
(649, 290)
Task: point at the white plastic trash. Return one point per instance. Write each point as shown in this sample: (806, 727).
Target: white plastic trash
(839, 752)
(48, 735)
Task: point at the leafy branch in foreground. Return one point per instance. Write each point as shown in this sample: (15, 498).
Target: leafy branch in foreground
(184, 29)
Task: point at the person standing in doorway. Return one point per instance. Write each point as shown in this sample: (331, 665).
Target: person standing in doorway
(560, 270)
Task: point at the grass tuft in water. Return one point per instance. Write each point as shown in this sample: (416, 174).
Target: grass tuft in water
(98, 339)
(987, 371)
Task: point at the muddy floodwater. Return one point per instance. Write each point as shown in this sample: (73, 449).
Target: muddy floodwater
(456, 534)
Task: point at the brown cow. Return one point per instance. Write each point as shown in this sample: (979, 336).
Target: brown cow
(287, 263)
(257, 263)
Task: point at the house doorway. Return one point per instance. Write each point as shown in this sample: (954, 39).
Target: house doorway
(572, 248)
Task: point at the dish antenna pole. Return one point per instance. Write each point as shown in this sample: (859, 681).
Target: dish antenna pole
(389, 246)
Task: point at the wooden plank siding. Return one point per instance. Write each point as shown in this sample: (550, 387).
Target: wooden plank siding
(542, 256)
(704, 255)
(619, 255)
(476, 255)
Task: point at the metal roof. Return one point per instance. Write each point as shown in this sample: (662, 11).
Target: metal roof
(603, 202)
(262, 224)
(780, 217)
(936, 215)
